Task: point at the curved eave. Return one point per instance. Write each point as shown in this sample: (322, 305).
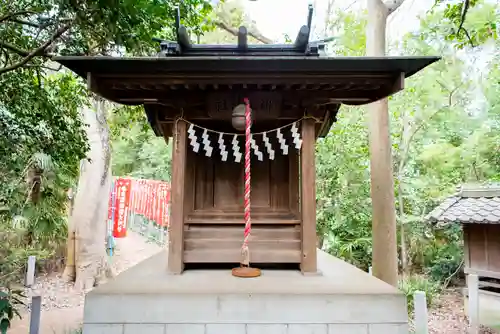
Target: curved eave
(306, 80)
(349, 80)
(298, 65)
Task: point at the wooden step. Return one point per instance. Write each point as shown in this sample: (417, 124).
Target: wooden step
(232, 232)
(234, 244)
(234, 256)
(224, 221)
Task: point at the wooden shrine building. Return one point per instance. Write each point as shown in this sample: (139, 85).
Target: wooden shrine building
(193, 95)
(477, 209)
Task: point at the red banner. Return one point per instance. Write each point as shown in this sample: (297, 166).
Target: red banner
(123, 187)
(167, 207)
(161, 204)
(149, 198)
(156, 200)
(142, 196)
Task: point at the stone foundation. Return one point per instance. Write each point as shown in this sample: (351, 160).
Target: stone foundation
(341, 299)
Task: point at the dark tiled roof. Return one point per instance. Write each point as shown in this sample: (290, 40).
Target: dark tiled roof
(472, 205)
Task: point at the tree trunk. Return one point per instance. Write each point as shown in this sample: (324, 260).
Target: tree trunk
(90, 210)
(385, 263)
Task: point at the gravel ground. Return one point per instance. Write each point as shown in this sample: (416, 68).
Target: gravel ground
(448, 316)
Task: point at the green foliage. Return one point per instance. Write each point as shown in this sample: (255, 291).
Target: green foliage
(476, 19)
(94, 27)
(350, 32)
(10, 301)
(343, 194)
(441, 138)
(43, 136)
(137, 152)
(444, 257)
(410, 285)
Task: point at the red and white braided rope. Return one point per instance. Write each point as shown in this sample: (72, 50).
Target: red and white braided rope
(248, 224)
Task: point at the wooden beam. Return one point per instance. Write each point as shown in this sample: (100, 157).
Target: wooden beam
(308, 199)
(399, 83)
(176, 228)
(92, 83)
(466, 233)
(298, 97)
(482, 273)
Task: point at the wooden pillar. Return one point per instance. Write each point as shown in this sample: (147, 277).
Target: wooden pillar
(308, 197)
(384, 258)
(176, 227)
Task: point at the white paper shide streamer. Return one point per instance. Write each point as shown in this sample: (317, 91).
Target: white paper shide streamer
(296, 136)
(282, 141)
(222, 147)
(268, 145)
(256, 151)
(206, 143)
(236, 149)
(194, 140)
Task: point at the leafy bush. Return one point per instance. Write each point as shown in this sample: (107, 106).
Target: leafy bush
(444, 258)
(9, 304)
(411, 284)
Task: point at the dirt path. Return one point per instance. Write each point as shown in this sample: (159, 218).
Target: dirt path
(448, 316)
(62, 306)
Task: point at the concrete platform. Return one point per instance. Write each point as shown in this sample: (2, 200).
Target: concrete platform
(341, 299)
(489, 308)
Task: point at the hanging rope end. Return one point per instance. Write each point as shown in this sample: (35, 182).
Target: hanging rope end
(245, 256)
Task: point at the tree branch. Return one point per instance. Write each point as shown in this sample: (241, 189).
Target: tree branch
(47, 67)
(402, 161)
(14, 48)
(233, 31)
(12, 15)
(27, 23)
(37, 51)
(392, 5)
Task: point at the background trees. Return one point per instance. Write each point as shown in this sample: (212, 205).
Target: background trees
(54, 133)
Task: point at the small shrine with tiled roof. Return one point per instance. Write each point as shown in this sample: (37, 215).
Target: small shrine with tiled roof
(477, 209)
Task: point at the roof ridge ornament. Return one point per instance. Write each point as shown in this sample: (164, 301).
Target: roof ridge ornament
(183, 46)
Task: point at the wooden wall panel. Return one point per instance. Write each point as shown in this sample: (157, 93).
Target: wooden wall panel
(227, 186)
(203, 176)
(294, 185)
(218, 186)
(261, 184)
(492, 247)
(279, 182)
(477, 254)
